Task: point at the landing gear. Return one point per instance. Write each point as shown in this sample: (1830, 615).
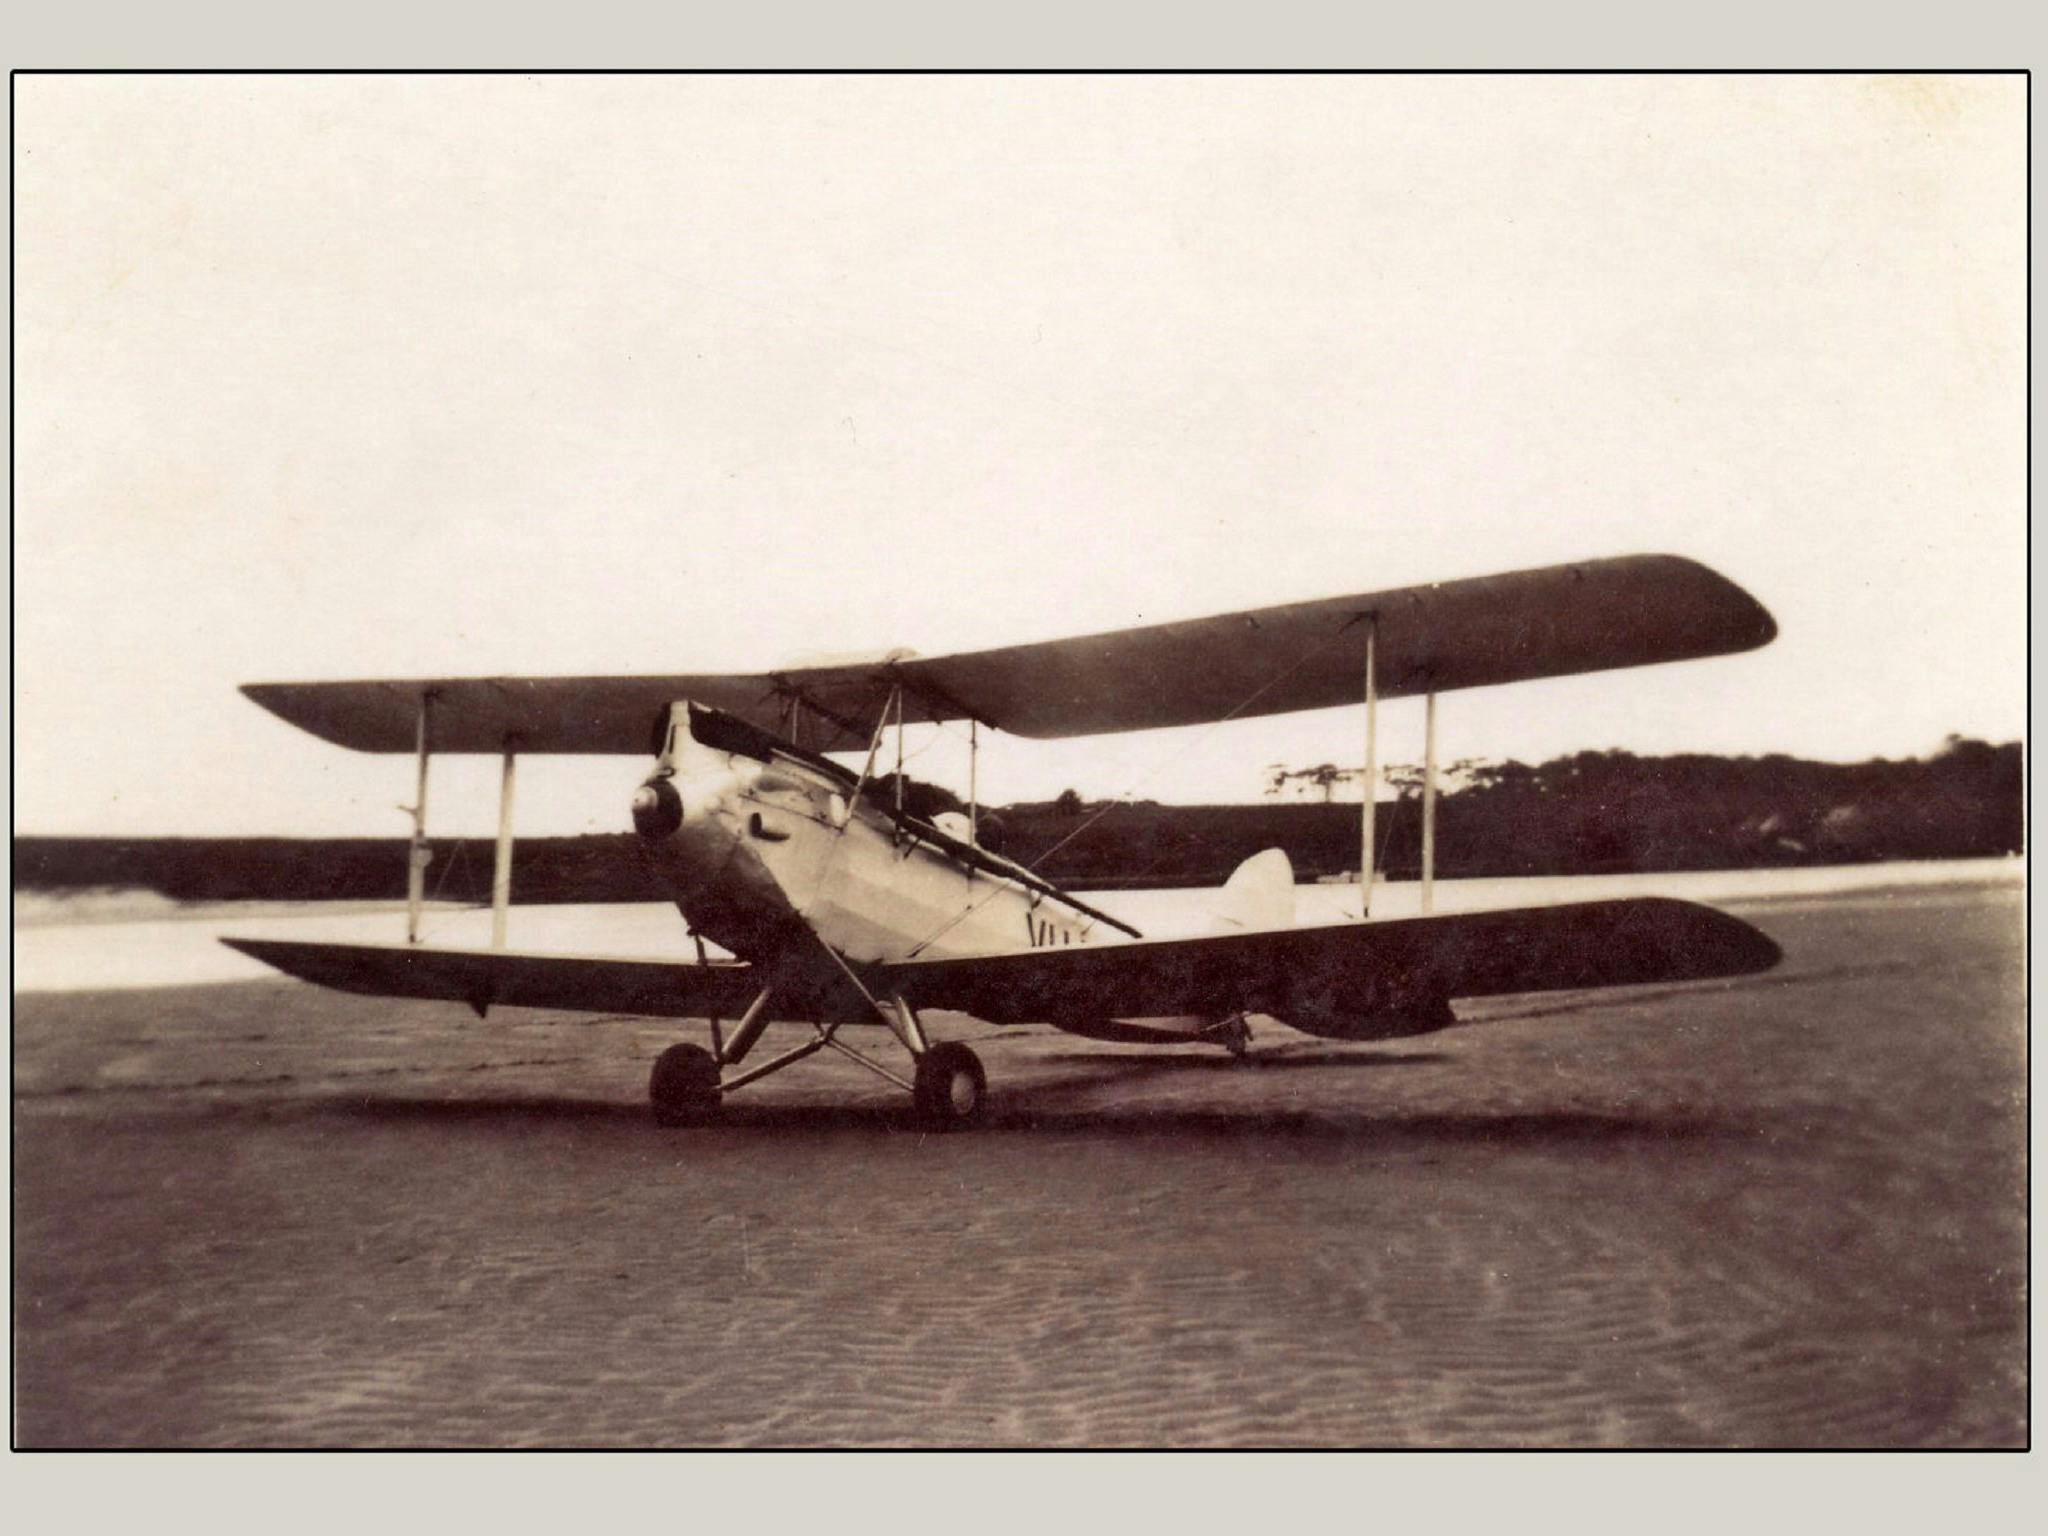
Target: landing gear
(951, 1089)
(683, 1087)
(689, 1084)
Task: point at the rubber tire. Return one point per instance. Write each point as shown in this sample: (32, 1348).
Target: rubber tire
(939, 1071)
(683, 1087)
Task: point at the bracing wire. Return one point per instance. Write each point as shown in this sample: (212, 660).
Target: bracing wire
(1181, 751)
(427, 929)
(1246, 703)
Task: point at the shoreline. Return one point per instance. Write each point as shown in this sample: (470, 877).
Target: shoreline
(132, 904)
(110, 944)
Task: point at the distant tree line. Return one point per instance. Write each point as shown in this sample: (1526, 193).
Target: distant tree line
(1589, 813)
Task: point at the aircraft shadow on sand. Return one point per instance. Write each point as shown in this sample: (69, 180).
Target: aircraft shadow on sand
(1021, 1114)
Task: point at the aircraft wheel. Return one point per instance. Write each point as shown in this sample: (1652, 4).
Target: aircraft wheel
(683, 1087)
(952, 1090)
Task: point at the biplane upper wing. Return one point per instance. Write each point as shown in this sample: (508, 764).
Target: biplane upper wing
(1355, 967)
(1586, 617)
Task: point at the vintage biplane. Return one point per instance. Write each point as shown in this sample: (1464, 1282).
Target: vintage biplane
(840, 905)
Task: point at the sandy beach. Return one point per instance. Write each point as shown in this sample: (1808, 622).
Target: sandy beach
(1788, 1210)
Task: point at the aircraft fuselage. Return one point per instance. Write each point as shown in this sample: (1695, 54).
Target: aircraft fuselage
(761, 843)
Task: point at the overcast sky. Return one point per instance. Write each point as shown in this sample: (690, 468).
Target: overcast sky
(357, 377)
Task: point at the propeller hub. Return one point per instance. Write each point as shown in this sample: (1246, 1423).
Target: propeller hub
(657, 810)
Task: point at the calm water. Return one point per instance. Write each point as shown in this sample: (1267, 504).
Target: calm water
(156, 951)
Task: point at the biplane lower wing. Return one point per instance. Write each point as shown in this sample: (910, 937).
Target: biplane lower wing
(1301, 975)
(486, 977)
(1296, 974)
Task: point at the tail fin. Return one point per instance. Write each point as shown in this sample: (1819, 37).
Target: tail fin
(1258, 894)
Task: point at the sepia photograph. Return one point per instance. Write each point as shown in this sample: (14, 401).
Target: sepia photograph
(1020, 760)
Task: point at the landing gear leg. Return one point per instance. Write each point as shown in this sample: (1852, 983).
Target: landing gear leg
(951, 1090)
(686, 1086)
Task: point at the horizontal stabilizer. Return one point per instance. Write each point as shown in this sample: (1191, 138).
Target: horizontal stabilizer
(1588, 617)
